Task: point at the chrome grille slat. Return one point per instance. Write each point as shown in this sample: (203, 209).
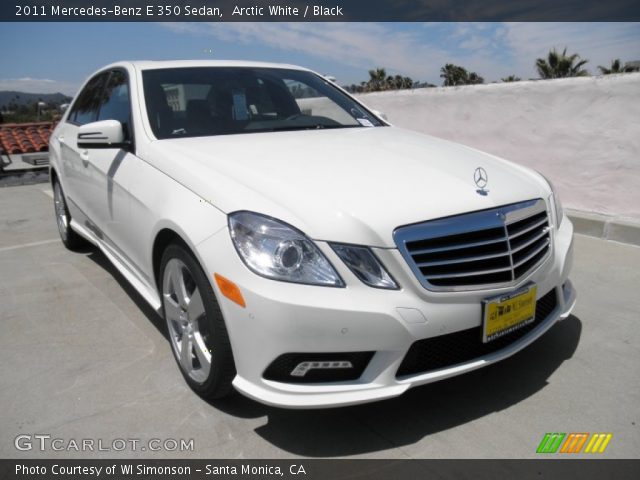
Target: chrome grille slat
(531, 255)
(462, 260)
(471, 273)
(459, 246)
(485, 249)
(529, 242)
(528, 229)
(510, 252)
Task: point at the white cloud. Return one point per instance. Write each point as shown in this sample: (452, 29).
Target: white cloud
(492, 50)
(360, 45)
(475, 42)
(598, 42)
(38, 85)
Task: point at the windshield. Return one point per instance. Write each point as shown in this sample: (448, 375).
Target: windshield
(203, 101)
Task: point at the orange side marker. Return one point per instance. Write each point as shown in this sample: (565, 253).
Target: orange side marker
(229, 290)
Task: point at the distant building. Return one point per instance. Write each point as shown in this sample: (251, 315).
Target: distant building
(634, 64)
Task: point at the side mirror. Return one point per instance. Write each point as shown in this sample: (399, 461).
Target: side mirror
(382, 115)
(102, 134)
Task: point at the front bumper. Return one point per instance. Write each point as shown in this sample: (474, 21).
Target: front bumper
(281, 317)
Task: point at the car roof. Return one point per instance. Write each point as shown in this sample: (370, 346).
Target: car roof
(154, 65)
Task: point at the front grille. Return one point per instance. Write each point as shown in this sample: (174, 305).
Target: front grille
(459, 347)
(280, 369)
(477, 250)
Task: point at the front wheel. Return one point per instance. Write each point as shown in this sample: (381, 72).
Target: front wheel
(196, 328)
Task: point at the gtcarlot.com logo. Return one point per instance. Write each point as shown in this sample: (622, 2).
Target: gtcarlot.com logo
(574, 443)
(45, 443)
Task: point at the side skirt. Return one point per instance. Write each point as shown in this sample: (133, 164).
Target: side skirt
(146, 291)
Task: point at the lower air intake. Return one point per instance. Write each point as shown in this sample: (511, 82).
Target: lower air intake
(459, 347)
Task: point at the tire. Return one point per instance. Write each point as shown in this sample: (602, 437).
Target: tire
(196, 327)
(69, 237)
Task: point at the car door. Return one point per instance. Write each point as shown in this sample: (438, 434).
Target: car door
(109, 172)
(73, 159)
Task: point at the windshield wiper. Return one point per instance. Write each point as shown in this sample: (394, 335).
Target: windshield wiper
(318, 126)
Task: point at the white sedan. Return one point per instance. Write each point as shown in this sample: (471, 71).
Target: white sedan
(300, 248)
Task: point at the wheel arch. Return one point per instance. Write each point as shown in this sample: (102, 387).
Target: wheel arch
(53, 175)
(165, 237)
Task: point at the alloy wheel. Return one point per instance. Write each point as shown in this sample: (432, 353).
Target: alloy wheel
(186, 321)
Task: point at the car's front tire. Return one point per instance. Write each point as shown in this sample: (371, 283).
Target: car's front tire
(195, 324)
(69, 238)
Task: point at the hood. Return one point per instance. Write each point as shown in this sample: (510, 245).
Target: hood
(352, 185)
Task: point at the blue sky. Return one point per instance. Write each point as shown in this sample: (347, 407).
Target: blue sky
(51, 57)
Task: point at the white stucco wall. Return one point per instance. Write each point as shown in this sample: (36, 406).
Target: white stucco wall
(582, 133)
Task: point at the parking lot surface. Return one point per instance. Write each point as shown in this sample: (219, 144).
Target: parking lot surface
(82, 356)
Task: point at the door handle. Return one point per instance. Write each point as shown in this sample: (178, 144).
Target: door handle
(84, 156)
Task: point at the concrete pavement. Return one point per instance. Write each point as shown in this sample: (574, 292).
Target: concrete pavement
(83, 357)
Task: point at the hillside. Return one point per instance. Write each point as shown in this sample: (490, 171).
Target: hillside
(21, 98)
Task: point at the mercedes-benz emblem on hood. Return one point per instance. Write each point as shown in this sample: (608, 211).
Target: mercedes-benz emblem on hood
(480, 177)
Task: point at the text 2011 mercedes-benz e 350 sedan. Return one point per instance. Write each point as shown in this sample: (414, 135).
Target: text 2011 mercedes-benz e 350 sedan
(299, 247)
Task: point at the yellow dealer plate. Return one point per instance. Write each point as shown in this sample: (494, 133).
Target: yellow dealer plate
(506, 313)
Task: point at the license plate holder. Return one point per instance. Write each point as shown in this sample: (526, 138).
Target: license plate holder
(506, 313)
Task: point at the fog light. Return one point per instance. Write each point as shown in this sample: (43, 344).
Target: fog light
(302, 368)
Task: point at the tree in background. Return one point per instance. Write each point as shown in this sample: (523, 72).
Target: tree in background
(453, 75)
(380, 81)
(617, 67)
(377, 79)
(26, 113)
(511, 78)
(474, 79)
(561, 65)
(398, 82)
(456, 75)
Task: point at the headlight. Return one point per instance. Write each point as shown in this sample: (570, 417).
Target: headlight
(364, 264)
(557, 205)
(276, 250)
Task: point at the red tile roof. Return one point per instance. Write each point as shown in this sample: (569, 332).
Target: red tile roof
(16, 138)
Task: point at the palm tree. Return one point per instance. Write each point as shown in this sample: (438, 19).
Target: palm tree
(453, 75)
(617, 67)
(561, 65)
(457, 75)
(395, 83)
(389, 84)
(398, 82)
(377, 79)
(511, 78)
(408, 82)
(474, 79)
